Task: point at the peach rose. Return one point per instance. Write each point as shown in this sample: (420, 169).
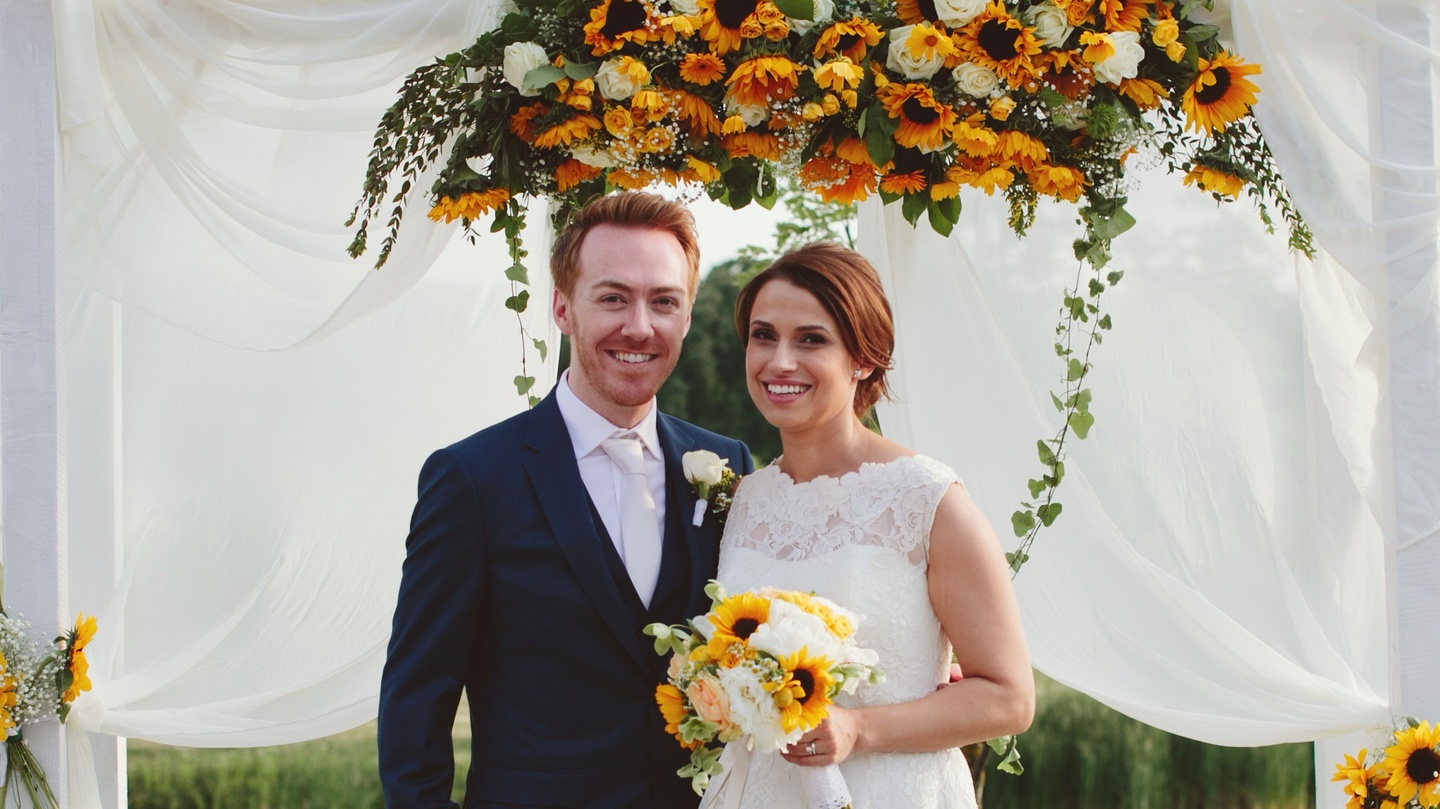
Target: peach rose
(710, 702)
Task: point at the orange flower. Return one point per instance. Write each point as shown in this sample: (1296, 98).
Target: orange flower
(839, 74)
(702, 68)
(849, 38)
(924, 122)
(618, 121)
(1124, 15)
(1146, 93)
(1000, 42)
(911, 182)
(572, 172)
(616, 22)
(522, 123)
(1220, 93)
(694, 112)
(981, 174)
(1077, 12)
(763, 80)
(630, 179)
(568, 131)
(976, 141)
(753, 144)
(724, 24)
(1061, 182)
(469, 206)
(1215, 181)
(1021, 149)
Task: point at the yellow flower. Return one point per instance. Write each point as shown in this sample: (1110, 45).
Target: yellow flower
(753, 144)
(850, 38)
(1061, 182)
(812, 111)
(1001, 108)
(924, 121)
(1220, 93)
(724, 24)
(78, 639)
(763, 80)
(656, 140)
(735, 619)
(1098, 47)
(839, 74)
(1146, 93)
(945, 189)
(978, 173)
(682, 25)
(9, 698)
(855, 151)
(522, 122)
(1000, 42)
(1414, 765)
(976, 141)
(1166, 32)
(572, 172)
(1214, 181)
(804, 695)
(469, 206)
(733, 125)
(694, 112)
(1022, 149)
(618, 121)
(568, 131)
(1360, 779)
(650, 104)
(630, 179)
(835, 179)
(672, 708)
(616, 22)
(1175, 50)
(1124, 15)
(698, 171)
(580, 95)
(928, 42)
(1077, 12)
(702, 68)
(830, 104)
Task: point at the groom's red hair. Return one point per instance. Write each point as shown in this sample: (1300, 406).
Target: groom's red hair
(849, 289)
(627, 209)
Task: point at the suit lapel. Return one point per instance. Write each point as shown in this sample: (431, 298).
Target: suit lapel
(702, 542)
(555, 477)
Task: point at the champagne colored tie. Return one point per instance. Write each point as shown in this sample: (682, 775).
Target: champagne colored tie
(639, 525)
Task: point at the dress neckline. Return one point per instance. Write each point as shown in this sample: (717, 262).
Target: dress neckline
(854, 473)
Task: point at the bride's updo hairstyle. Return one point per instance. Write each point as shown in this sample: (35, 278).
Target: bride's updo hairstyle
(849, 289)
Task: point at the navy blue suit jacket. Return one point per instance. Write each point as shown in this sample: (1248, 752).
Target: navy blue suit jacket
(511, 591)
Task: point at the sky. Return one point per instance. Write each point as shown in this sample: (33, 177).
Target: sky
(724, 231)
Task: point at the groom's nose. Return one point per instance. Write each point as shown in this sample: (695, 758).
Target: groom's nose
(638, 324)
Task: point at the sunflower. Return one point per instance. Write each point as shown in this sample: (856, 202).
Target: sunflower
(1124, 15)
(672, 706)
(1215, 181)
(1000, 42)
(849, 38)
(616, 22)
(980, 173)
(630, 179)
(924, 122)
(694, 112)
(78, 639)
(763, 80)
(754, 144)
(974, 140)
(804, 695)
(698, 171)
(1021, 149)
(910, 182)
(1414, 765)
(656, 140)
(917, 11)
(8, 699)
(702, 68)
(1220, 94)
(522, 122)
(469, 206)
(721, 22)
(1146, 93)
(835, 179)
(1362, 782)
(839, 74)
(1061, 182)
(568, 131)
(572, 173)
(736, 618)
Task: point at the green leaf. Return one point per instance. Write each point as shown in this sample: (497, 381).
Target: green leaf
(1200, 33)
(1016, 559)
(1075, 371)
(580, 70)
(1104, 322)
(518, 302)
(1115, 276)
(1107, 227)
(541, 347)
(543, 76)
(518, 274)
(523, 384)
(1059, 405)
(1047, 456)
(1096, 287)
(938, 220)
(1080, 400)
(1048, 513)
(797, 9)
(1036, 487)
(879, 129)
(1081, 423)
(913, 206)
(533, 400)
(1022, 522)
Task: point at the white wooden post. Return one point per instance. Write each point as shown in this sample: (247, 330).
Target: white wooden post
(32, 400)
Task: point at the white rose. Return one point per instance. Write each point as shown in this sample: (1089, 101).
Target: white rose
(703, 466)
(591, 156)
(900, 60)
(521, 58)
(1051, 24)
(753, 709)
(975, 80)
(955, 13)
(824, 12)
(790, 629)
(1124, 63)
(689, 7)
(613, 82)
(751, 114)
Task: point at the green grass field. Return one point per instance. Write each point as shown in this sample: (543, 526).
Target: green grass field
(1079, 755)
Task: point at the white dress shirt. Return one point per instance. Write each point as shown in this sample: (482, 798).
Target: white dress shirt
(588, 430)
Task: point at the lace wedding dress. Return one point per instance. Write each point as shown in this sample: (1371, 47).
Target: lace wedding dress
(863, 542)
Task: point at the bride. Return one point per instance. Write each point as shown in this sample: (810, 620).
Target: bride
(887, 533)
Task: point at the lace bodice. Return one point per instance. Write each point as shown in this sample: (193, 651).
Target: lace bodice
(861, 540)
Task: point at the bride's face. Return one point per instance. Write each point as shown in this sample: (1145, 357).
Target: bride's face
(799, 373)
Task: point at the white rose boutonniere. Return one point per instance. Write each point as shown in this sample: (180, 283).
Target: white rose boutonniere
(714, 483)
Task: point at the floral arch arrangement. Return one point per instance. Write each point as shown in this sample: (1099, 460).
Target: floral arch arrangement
(908, 99)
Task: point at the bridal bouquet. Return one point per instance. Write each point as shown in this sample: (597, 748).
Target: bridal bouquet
(1405, 775)
(762, 666)
(36, 683)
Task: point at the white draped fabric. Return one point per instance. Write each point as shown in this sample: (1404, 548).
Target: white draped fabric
(257, 404)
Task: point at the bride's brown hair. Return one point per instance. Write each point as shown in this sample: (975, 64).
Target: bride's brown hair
(849, 289)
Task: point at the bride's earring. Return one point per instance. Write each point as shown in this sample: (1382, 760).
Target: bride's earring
(857, 373)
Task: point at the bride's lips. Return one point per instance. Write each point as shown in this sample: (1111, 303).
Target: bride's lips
(781, 392)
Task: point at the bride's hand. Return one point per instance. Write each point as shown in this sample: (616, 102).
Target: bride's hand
(834, 741)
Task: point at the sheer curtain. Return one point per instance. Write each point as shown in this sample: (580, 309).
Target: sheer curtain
(250, 406)
(1249, 534)
(1258, 488)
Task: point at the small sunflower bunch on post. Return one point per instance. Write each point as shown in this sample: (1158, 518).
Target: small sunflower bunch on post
(1405, 775)
(762, 666)
(36, 684)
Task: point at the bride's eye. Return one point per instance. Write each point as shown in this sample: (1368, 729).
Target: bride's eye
(761, 334)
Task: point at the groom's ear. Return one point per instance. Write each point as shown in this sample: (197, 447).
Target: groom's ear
(560, 310)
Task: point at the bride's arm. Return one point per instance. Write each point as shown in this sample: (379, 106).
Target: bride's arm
(971, 592)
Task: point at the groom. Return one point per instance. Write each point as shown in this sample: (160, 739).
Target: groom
(541, 546)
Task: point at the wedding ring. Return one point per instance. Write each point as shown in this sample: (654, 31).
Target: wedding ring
(810, 749)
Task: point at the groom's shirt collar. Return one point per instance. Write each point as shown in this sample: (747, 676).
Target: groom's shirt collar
(588, 429)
